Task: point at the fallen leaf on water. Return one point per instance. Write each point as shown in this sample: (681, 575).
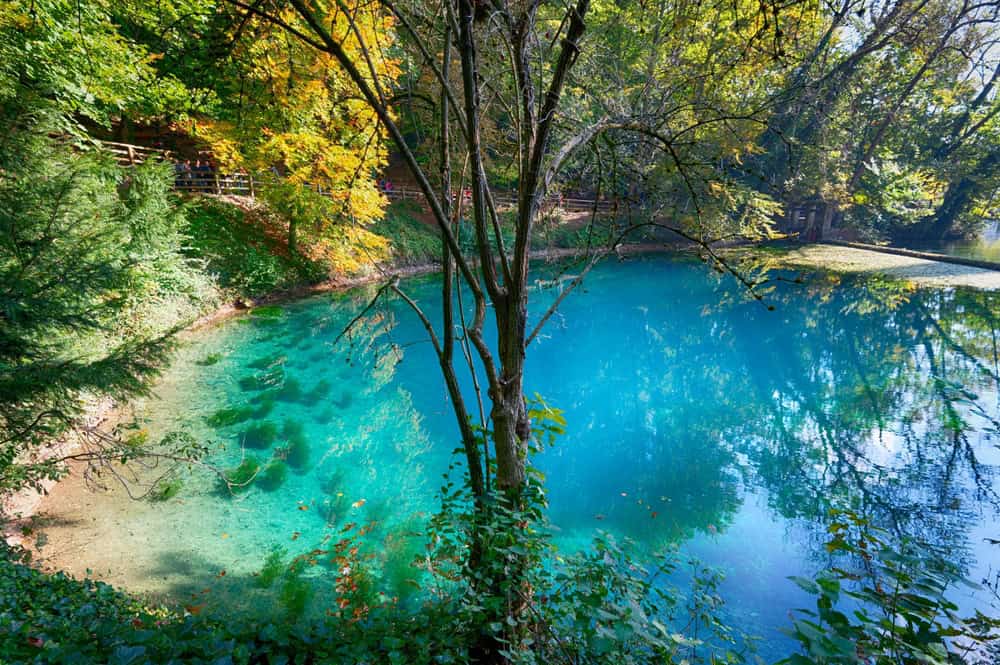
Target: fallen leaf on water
(303, 507)
(358, 503)
(194, 609)
(222, 573)
(295, 536)
(225, 535)
(654, 514)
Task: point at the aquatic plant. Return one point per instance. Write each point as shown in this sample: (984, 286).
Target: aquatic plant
(323, 416)
(345, 400)
(263, 380)
(318, 392)
(273, 476)
(267, 362)
(297, 453)
(229, 416)
(239, 478)
(290, 391)
(274, 566)
(332, 508)
(260, 435)
(165, 489)
(295, 590)
(210, 359)
(267, 312)
(333, 481)
(266, 396)
(248, 383)
(263, 408)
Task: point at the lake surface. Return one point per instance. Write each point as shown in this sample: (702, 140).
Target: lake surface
(985, 247)
(697, 418)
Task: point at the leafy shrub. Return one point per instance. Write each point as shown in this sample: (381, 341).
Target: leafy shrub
(413, 242)
(902, 614)
(240, 253)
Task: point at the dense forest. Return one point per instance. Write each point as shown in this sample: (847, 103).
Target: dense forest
(369, 138)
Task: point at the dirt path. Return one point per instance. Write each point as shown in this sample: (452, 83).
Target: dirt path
(921, 271)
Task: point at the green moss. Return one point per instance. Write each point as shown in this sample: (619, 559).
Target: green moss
(229, 417)
(273, 476)
(239, 479)
(260, 435)
(291, 428)
(295, 589)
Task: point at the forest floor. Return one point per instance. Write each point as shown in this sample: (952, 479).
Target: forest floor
(920, 271)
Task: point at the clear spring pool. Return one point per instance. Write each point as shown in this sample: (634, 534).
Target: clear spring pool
(696, 417)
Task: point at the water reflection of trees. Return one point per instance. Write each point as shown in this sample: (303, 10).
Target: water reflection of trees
(853, 393)
(875, 397)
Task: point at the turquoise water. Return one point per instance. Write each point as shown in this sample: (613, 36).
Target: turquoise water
(697, 418)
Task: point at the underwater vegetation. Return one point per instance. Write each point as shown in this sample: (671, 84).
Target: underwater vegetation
(210, 359)
(239, 478)
(332, 508)
(333, 482)
(323, 416)
(267, 312)
(165, 489)
(290, 390)
(268, 361)
(273, 476)
(230, 416)
(260, 435)
(272, 378)
(274, 566)
(296, 451)
(320, 391)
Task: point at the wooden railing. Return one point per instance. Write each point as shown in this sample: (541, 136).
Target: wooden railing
(193, 179)
(130, 155)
